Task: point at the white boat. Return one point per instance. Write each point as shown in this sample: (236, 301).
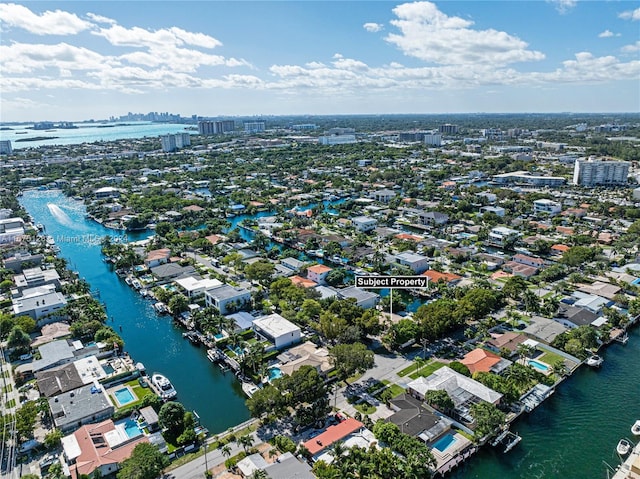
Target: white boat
(624, 447)
(635, 429)
(595, 361)
(164, 386)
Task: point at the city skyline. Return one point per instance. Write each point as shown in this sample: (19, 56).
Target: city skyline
(79, 60)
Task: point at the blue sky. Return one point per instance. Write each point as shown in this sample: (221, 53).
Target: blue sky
(79, 60)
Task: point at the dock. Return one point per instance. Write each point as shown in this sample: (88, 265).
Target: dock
(630, 468)
(506, 438)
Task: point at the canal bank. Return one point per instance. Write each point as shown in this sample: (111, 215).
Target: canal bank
(149, 338)
(575, 430)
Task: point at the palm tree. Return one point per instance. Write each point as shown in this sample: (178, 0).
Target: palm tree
(559, 368)
(226, 450)
(259, 474)
(245, 441)
(338, 449)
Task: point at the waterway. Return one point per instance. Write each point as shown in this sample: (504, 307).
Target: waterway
(575, 430)
(89, 133)
(149, 338)
(567, 437)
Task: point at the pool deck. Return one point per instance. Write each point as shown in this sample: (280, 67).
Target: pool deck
(112, 393)
(449, 455)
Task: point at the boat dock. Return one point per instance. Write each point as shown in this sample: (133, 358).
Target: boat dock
(630, 468)
(506, 438)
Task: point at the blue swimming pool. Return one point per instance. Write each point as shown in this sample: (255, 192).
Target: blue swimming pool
(445, 442)
(218, 336)
(132, 429)
(124, 396)
(538, 365)
(274, 373)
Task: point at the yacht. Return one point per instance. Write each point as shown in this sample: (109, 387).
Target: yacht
(164, 386)
(635, 429)
(624, 447)
(595, 361)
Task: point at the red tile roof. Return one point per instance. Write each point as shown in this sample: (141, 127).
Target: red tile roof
(333, 434)
(304, 282)
(480, 360)
(319, 269)
(435, 276)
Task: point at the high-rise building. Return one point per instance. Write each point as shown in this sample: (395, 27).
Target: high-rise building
(433, 139)
(175, 142)
(217, 127)
(448, 129)
(5, 147)
(254, 126)
(590, 172)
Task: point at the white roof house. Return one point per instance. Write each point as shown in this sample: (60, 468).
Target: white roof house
(196, 287)
(459, 387)
(38, 302)
(417, 262)
(277, 329)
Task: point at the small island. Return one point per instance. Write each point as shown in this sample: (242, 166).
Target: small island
(37, 138)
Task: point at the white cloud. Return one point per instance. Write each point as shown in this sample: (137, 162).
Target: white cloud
(563, 6)
(21, 58)
(633, 15)
(432, 36)
(373, 27)
(48, 23)
(608, 34)
(634, 47)
(139, 37)
(101, 19)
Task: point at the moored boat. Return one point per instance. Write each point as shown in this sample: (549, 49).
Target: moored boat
(635, 429)
(595, 361)
(164, 386)
(624, 447)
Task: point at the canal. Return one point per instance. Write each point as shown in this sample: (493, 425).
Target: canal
(149, 338)
(575, 430)
(570, 436)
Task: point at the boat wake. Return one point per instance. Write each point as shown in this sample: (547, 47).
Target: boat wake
(60, 216)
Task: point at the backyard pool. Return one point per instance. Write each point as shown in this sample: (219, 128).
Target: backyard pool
(131, 428)
(124, 396)
(445, 442)
(274, 373)
(543, 368)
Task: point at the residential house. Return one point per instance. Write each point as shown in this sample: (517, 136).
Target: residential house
(383, 196)
(508, 341)
(463, 390)
(416, 419)
(497, 210)
(364, 299)
(280, 331)
(18, 261)
(11, 230)
(34, 277)
(573, 316)
(289, 466)
(364, 223)
(306, 354)
(157, 257)
(293, 264)
(38, 302)
(501, 235)
(227, 299)
(195, 287)
(537, 263)
(547, 206)
(318, 273)
(333, 434)
(544, 329)
(450, 279)
(481, 360)
(84, 405)
(433, 218)
(98, 447)
(171, 271)
(416, 262)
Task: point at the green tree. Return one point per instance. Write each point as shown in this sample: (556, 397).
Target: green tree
(349, 359)
(488, 418)
(439, 399)
(178, 304)
(26, 420)
(52, 439)
(171, 419)
(260, 271)
(18, 340)
(146, 462)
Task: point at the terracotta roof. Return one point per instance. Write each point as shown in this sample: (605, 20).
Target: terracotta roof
(163, 253)
(95, 453)
(213, 239)
(508, 340)
(304, 282)
(560, 247)
(436, 276)
(194, 208)
(332, 434)
(480, 360)
(408, 237)
(319, 269)
(565, 230)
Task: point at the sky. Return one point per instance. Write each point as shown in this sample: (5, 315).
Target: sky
(71, 61)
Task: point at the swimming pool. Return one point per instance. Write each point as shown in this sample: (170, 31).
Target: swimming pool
(274, 373)
(538, 365)
(131, 428)
(124, 396)
(445, 442)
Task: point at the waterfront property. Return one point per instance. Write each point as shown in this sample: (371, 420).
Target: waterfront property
(84, 405)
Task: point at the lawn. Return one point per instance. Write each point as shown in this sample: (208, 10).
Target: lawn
(550, 358)
(138, 390)
(365, 408)
(409, 369)
(427, 370)
(395, 390)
